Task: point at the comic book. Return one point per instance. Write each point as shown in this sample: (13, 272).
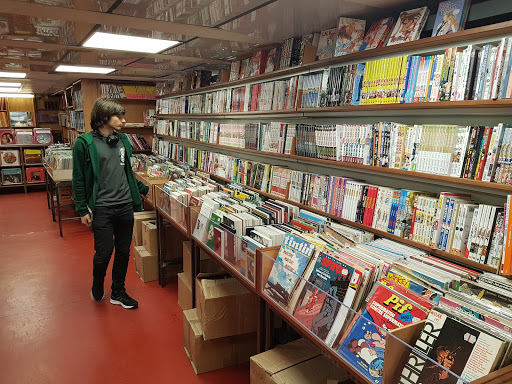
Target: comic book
(378, 34)
(465, 351)
(409, 26)
(327, 44)
(319, 311)
(451, 17)
(350, 36)
(364, 344)
(291, 262)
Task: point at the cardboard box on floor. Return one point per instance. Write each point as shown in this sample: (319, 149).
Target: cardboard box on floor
(265, 365)
(138, 218)
(298, 362)
(225, 306)
(207, 264)
(149, 237)
(209, 355)
(146, 264)
(184, 293)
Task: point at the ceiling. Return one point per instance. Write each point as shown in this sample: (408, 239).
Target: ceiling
(38, 35)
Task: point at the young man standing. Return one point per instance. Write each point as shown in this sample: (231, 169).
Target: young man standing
(106, 194)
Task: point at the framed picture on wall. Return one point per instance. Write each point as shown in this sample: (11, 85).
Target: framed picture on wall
(21, 119)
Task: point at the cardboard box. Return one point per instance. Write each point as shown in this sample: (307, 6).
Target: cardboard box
(149, 237)
(209, 355)
(265, 365)
(138, 218)
(314, 371)
(184, 293)
(207, 263)
(225, 306)
(146, 264)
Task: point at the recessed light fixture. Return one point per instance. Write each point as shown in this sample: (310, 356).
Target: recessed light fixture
(127, 43)
(11, 85)
(20, 95)
(9, 89)
(13, 75)
(81, 69)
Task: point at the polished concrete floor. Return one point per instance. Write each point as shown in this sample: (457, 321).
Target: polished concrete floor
(52, 332)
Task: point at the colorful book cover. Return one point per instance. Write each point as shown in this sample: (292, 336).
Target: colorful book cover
(327, 44)
(364, 344)
(378, 34)
(451, 17)
(272, 60)
(350, 36)
(409, 26)
(317, 310)
(9, 157)
(463, 350)
(291, 262)
(215, 220)
(7, 137)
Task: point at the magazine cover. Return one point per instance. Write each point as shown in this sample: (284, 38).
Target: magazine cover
(350, 36)
(378, 34)
(451, 17)
(327, 44)
(465, 351)
(409, 26)
(9, 157)
(291, 262)
(318, 311)
(364, 344)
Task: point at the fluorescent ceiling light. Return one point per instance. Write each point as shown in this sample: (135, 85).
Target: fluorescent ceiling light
(128, 43)
(9, 89)
(80, 69)
(11, 85)
(14, 75)
(20, 95)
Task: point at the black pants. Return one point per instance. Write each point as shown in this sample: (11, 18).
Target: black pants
(112, 227)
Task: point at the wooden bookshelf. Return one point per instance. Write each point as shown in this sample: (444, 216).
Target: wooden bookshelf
(23, 165)
(467, 184)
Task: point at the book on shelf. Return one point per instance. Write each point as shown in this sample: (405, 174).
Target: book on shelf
(409, 26)
(7, 136)
(378, 34)
(327, 43)
(451, 17)
(350, 36)
(24, 136)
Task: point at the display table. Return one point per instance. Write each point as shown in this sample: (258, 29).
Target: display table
(58, 193)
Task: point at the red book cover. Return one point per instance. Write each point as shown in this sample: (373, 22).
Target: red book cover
(7, 137)
(35, 174)
(218, 244)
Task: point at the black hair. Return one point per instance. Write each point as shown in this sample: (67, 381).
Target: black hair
(103, 110)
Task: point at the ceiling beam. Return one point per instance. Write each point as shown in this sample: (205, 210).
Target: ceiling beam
(62, 47)
(82, 16)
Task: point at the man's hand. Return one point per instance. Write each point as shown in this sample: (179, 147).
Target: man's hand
(86, 220)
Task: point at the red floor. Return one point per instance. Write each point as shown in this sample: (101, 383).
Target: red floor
(52, 332)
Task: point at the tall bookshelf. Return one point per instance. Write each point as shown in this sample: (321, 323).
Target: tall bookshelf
(79, 98)
(468, 112)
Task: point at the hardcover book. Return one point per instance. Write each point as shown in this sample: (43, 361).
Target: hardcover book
(350, 36)
(451, 17)
(409, 26)
(291, 262)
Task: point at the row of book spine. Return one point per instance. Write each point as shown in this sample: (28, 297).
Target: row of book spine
(446, 222)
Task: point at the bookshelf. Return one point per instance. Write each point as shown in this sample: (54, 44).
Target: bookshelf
(467, 112)
(79, 98)
(23, 165)
(47, 114)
